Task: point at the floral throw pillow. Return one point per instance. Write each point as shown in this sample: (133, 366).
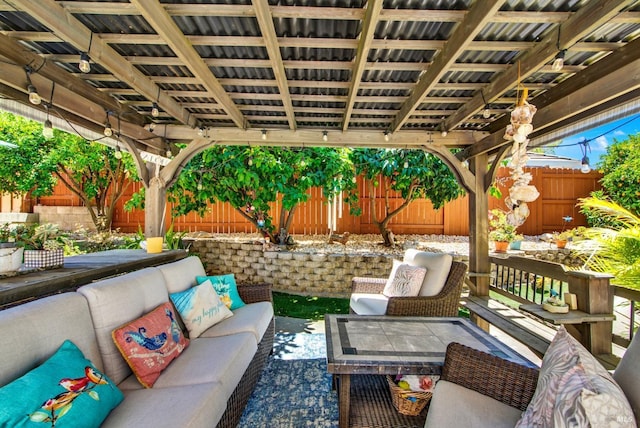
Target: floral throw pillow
(150, 343)
(200, 308)
(65, 391)
(406, 280)
(225, 286)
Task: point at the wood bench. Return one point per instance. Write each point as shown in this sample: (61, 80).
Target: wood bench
(524, 328)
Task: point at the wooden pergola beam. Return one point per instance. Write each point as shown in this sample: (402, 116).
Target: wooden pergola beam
(61, 22)
(474, 21)
(265, 21)
(169, 32)
(592, 78)
(365, 40)
(24, 57)
(584, 21)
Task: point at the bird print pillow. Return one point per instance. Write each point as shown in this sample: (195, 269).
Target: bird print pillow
(65, 391)
(150, 343)
(200, 307)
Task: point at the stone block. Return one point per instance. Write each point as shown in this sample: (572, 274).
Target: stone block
(318, 257)
(270, 254)
(243, 264)
(285, 256)
(248, 247)
(242, 253)
(301, 257)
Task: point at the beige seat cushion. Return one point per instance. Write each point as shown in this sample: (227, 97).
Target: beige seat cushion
(627, 375)
(455, 406)
(368, 303)
(251, 318)
(438, 266)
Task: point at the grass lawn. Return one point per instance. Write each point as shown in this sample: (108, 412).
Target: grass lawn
(308, 307)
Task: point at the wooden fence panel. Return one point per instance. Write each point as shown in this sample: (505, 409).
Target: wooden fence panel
(559, 189)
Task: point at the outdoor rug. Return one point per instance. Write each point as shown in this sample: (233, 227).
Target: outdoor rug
(294, 390)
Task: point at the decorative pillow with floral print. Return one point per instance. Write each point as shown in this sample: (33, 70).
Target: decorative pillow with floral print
(405, 280)
(65, 391)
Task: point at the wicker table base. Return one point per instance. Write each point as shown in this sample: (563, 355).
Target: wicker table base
(372, 406)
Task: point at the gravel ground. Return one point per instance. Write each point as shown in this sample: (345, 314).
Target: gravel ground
(373, 243)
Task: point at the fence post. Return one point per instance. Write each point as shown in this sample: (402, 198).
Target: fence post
(594, 294)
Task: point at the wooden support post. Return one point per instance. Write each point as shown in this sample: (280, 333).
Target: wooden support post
(595, 296)
(155, 204)
(479, 264)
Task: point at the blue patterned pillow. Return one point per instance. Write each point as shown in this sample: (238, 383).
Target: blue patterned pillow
(65, 391)
(200, 307)
(225, 286)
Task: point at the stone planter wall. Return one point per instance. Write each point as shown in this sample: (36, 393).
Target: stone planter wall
(563, 256)
(293, 272)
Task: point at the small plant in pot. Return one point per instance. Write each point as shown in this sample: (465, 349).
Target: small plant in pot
(44, 246)
(10, 248)
(501, 232)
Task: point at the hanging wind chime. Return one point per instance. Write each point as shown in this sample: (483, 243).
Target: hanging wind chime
(518, 131)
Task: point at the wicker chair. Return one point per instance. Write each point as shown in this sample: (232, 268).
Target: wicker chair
(444, 304)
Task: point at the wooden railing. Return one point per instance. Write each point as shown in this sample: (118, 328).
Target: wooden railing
(527, 281)
(625, 325)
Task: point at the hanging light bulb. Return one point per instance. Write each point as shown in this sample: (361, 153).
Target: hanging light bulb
(585, 168)
(85, 65)
(154, 110)
(108, 132)
(325, 136)
(118, 153)
(250, 161)
(486, 113)
(444, 133)
(558, 62)
(199, 185)
(200, 131)
(387, 135)
(264, 134)
(406, 164)
(47, 130)
(34, 97)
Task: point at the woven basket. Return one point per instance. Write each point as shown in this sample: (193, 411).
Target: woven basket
(408, 403)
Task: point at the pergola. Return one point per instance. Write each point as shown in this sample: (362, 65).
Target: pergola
(426, 74)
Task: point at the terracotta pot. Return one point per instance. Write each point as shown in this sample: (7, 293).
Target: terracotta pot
(500, 246)
(561, 243)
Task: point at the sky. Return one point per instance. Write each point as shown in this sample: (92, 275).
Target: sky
(599, 138)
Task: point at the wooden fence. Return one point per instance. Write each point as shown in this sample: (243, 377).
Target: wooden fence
(559, 188)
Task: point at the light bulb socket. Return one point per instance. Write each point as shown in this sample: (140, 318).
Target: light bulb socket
(85, 65)
(585, 168)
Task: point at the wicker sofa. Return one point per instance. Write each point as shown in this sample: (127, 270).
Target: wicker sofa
(207, 385)
(481, 390)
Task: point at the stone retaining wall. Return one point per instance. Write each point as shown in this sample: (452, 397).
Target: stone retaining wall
(312, 274)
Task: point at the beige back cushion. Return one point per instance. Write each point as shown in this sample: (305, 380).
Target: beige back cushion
(438, 266)
(627, 375)
(32, 332)
(119, 300)
(182, 274)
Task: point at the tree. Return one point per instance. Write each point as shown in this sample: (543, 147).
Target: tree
(413, 174)
(252, 178)
(615, 250)
(21, 169)
(90, 170)
(94, 174)
(620, 167)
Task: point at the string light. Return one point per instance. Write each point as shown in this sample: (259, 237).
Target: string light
(444, 133)
(325, 136)
(558, 62)
(118, 153)
(85, 65)
(108, 131)
(585, 168)
(386, 136)
(154, 110)
(406, 164)
(486, 113)
(264, 134)
(34, 97)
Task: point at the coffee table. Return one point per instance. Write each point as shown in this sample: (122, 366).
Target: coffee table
(398, 345)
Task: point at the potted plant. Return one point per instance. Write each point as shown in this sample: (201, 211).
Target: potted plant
(10, 250)
(501, 232)
(44, 246)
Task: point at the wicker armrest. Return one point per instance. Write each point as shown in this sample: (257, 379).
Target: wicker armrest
(252, 293)
(367, 285)
(505, 381)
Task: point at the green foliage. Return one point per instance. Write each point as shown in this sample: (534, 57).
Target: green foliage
(500, 230)
(413, 174)
(615, 251)
(173, 239)
(24, 169)
(250, 178)
(308, 307)
(621, 178)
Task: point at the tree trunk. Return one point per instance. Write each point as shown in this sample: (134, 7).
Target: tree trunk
(265, 233)
(387, 235)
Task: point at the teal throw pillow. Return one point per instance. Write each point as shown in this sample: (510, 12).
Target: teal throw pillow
(65, 391)
(225, 286)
